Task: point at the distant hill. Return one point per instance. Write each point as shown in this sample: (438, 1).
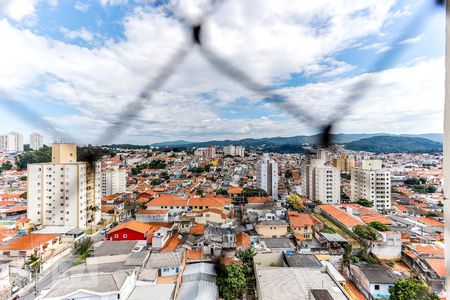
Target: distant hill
(274, 143)
(392, 144)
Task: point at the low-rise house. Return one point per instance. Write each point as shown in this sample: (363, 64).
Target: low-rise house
(160, 238)
(198, 282)
(218, 237)
(211, 215)
(99, 286)
(166, 264)
(271, 228)
(155, 215)
(389, 247)
(278, 244)
(303, 224)
(31, 244)
(132, 230)
(373, 281)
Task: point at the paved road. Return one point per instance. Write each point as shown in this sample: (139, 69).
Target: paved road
(50, 276)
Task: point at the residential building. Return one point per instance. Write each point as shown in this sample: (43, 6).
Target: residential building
(267, 175)
(373, 281)
(3, 142)
(114, 180)
(302, 225)
(14, 142)
(61, 192)
(36, 141)
(344, 162)
(373, 183)
(234, 150)
(272, 228)
(321, 181)
(211, 152)
(129, 231)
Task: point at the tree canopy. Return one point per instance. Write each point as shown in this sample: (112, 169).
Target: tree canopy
(379, 226)
(366, 232)
(410, 288)
(231, 282)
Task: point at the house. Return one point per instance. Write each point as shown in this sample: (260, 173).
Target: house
(389, 247)
(373, 281)
(219, 203)
(132, 230)
(27, 245)
(271, 228)
(302, 224)
(160, 237)
(218, 237)
(166, 264)
(199, 282)
(174, 204)
(211, 215)
(97, 286)
(154, 215)
(340, 217)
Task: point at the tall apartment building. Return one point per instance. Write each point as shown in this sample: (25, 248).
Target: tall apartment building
(60, 192)
(267, 175)
(321, 181)
(114, 180)
(36, 141)
(234, 150)
(373, 183)
(14, 142)
(211, 152)
(4, 142)
(344, 162)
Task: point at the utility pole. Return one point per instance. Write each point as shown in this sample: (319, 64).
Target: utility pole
(447, 150)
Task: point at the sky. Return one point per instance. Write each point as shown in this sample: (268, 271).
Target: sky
(77, 70)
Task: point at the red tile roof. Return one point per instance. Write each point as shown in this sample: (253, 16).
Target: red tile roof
(167, 200)
(430, 222)
(153, 212)
(300, 220)
(438, 265)
(243, 240)
(132, 225)
(211, 202)
(431, 249)
(340, 215)
(29, 242)
(259, 199)
(198, 229)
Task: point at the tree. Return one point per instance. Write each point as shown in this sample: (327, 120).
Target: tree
(82, 246)
(24, 195)
(37, 156)
(410, 288)
(222, 192)
(379, 226)
(288, 174)
(6, 166)
(366, 232)
(365, 202)
(231, 282)
(295, 200)
(93, 209)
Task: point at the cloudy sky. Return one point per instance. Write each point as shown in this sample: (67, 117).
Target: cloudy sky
(78, 68)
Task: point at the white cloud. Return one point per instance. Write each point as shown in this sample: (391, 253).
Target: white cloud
(412, 40)
(113, 2)
(18, 9)
(82, 33)
(269, 41)
(81, 6)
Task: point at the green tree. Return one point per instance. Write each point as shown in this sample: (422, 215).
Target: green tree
(231, 282)
(288, 173)
(93, 209)
(294, 199)
(222, 192)
(365, 202)
(83, 246)
(366, 232)
(379, 226)
(37, 156)
(24, 195)
(6, 166)
(410, 288)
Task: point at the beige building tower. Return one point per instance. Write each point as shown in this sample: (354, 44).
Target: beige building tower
(60, 192)
(344, 163)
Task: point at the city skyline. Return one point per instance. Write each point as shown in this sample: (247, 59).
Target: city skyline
(84, 70)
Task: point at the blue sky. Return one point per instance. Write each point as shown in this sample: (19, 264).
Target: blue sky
(79, 64)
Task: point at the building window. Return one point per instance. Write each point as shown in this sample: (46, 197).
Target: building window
(377, 287)
(116, 236)
(125, 236)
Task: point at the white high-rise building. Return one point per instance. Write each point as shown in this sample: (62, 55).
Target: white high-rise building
(321, 181)
(60, 192)
(234, 150)
(114, 180)
(14, 142)
(267, 175)
(373, 183)
(4, 142)
(36, 141)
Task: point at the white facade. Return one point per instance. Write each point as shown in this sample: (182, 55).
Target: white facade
(321, 182)
(3, 142)
(114, 181)
(60, 192)
(36, 141)
(267, 175)
(14, 142)
(234, 150)
(373, 183)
